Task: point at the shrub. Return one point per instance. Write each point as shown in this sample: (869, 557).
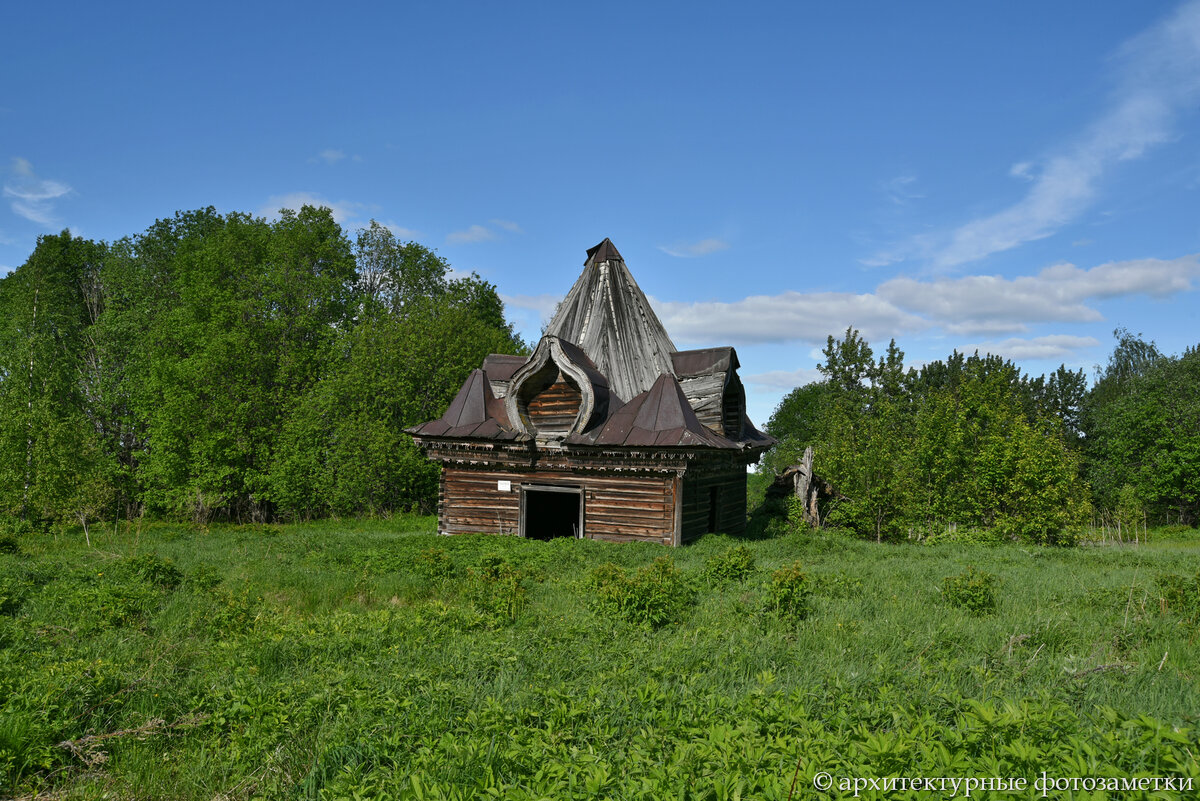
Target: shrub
(498, 589)
(1181, 595)
(656, 595)
(9, 544)
(12, 594)
(434, 564)
(788, 593)
(973, 590)
(156, 570)
(732, 565)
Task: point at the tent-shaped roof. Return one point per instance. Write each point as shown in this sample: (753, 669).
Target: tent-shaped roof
(660, 417)
(474, 413)
(607, 315)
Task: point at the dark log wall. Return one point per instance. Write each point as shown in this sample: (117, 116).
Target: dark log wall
(733, 406)
(620, 508)
(553, 410)
(730, 515)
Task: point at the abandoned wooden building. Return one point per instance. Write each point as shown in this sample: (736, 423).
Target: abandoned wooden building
(606, 431)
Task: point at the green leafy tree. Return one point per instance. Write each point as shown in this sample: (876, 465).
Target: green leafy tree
(343, 449)
(53, 463)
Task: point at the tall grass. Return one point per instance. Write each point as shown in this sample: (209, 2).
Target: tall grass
(372, 657)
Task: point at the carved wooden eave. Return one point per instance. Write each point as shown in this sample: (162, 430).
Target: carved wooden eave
(573, 363)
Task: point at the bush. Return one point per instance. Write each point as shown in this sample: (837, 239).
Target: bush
(656, 595)
(1181, 595)
(973, 590)
(732, 565)
(788, 593)
(434, 564)
(156, 570)
(498, 589)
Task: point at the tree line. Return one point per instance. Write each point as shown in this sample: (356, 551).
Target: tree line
(228, 367)
(971, 441)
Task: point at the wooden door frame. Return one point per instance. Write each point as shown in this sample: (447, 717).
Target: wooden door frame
(576, 489)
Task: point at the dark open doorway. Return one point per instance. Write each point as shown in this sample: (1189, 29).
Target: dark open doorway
(550, 512)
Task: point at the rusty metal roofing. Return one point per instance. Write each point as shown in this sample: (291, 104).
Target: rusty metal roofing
(500, 366)
(659, 417)
(704, 361)
(473, 414)
(606, 335)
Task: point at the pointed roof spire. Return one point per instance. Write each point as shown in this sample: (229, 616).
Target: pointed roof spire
(605, 251)
(607, 315)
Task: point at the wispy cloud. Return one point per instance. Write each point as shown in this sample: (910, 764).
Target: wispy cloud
(400, 232)
(989, 304)
(901, 190)
(476, 233)
(33, 197)
(347, 213)
(542, 306)
(786, 317)
(979, 305)
(1055, 346)
(329, 156)
(685, 250)
(507, 225)
(1159, 75)
(783, 379)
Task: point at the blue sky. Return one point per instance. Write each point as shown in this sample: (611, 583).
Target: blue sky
(1019, 177)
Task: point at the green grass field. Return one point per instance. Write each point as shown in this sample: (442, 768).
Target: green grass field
(375, 660)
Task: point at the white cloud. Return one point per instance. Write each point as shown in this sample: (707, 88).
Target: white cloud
(899, 190)
(784, 379)
(791, 316)
(989, 304)
(33, 197)
(400, 232)
(542, 306)
(476, 233)
(693, 249)
(1159, 76)
(329, 156)
(978, 305)
(1055, 346)
(507, 225)
(1023, 169)
(346, 212)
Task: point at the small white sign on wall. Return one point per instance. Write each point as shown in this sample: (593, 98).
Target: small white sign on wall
(504, 486)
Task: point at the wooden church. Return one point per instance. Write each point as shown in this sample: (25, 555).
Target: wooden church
(606, 431)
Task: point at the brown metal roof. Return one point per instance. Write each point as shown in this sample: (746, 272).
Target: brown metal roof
(501, 366)
(658, 417)
(605, 251)
(473, 414)
(705, 361)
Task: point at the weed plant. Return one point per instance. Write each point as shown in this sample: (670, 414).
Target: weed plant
(372, 659)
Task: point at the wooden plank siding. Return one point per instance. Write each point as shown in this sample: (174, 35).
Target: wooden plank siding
(552, 411)
(620, 508)
(730, 511)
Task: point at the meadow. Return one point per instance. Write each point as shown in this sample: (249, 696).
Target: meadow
(373, 659)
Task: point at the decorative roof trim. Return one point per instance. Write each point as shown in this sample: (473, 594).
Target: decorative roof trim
(575, 364)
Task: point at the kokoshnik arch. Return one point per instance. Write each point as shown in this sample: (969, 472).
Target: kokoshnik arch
(606, 431)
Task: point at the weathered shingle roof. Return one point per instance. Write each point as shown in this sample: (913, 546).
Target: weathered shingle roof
(607, 315)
